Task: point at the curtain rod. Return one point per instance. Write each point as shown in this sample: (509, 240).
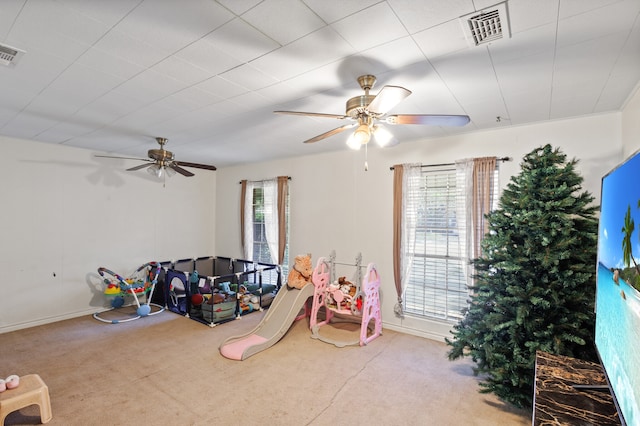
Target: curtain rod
(453, 164)
(288, 178)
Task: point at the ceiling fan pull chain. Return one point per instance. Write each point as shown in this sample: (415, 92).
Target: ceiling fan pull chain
(366, 157)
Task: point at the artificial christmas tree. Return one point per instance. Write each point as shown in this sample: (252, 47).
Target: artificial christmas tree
(535, 280)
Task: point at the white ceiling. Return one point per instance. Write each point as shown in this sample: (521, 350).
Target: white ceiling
(112, 75)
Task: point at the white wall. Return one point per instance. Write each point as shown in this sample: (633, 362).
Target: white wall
(65, 213)
(335, 204)
(631, 123)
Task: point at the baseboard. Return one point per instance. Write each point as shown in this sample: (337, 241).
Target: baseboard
(46, 320)
(415, 332)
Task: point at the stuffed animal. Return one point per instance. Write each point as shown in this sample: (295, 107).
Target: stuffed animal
(217, 298)
(300, 273)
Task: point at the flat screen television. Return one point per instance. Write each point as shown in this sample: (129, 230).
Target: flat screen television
(617, 301)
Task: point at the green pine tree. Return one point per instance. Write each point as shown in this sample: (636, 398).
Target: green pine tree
(535, 281)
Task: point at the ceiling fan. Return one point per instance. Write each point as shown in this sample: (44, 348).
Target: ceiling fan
(161, 162)
(368, 112)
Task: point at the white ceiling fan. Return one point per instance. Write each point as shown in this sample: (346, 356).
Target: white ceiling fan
(368, 113)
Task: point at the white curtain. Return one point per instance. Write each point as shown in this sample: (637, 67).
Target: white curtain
(464, 213)
(410, 187)
(248, 221)
(476, 198)
(271, 225)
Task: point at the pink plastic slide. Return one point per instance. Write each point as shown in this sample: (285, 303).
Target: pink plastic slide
(281, 314)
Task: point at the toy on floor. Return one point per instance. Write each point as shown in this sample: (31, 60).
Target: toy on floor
(346, 301)
(10, 382)
(140, 284)
(300, 273)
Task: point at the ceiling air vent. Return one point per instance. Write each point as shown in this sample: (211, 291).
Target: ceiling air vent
(487, 25)
(9, 55)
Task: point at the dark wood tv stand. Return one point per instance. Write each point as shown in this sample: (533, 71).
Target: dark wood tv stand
(570, 391)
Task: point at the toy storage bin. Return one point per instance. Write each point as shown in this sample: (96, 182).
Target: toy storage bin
(219, 311)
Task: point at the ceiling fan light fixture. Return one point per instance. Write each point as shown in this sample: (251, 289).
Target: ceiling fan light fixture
(383, 137)
(362, 135)
(353, 143)
(156, 170)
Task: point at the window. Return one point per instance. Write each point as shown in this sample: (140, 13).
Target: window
(265, 223)
(260, 246)
(261, 252)
(437, 285)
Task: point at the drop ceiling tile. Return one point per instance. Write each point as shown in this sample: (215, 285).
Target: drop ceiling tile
(149, 86)
(525, 44)
(220, 87)
(324, 78)
(58, 23)
(14, 98)
(239, 6)
(108, 108)
(334, 10)
(315, 50)
(79, 78)
(483, 114)
(596, 23)
(30, 37)
(572, 8)
(9, 11)
(55, 104)
(28, 125)
(116, 141)
(33, 73)
(470, 76)
(206, 55)
(573, 100)
(624, 77)
(588, 61)
(145, 117)
(182, 70)
(61, 133)
(170, 25)
(394, 55)
(240, 40)
(525, 74)
(248, 77)
(420, 15)
(378, 16)
(192, 98)
(100, 60)
(107, 12)
(282, 20)
(527, 106)
(116, 43)
(525, 15)
(251, 101)
(441, 39)
(279, 92)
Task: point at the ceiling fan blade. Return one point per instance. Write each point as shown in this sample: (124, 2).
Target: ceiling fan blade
(123, 158)
(428, 119)
(330, 133)
(141, 166)
(180, 170)
(195, 165)
(387, 98)
(313, 114)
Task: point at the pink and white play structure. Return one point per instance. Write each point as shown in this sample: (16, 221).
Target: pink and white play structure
(335, 300)
(346, 301)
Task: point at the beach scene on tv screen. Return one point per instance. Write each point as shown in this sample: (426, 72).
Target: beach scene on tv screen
(618, 284)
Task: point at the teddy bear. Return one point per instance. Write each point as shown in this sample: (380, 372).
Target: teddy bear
(300, 273)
